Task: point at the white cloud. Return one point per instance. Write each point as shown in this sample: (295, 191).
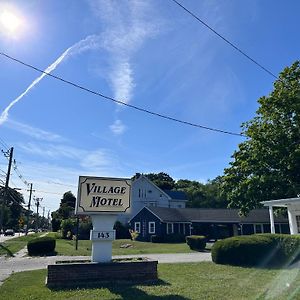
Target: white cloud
(118, 127)
(95, 160)
(34, 132)
(130, 24)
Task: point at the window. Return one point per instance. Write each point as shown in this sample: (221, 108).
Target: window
(298, 223)
(170, 228)
(151, 227)
(137, 227)
(258, 228)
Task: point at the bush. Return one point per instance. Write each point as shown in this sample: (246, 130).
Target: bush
(68, 228)
(265, 250)
(196, 242)
(41, 246)
(156, 239)
(170, 238)
(122, 231)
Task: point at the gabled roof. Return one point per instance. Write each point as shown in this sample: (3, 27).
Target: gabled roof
(176, 195)
(212, 215)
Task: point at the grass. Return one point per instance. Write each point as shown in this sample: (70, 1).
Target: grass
(177, 282)
(14, 245)
(67, 247)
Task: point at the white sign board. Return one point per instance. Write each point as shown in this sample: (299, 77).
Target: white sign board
(102, 195)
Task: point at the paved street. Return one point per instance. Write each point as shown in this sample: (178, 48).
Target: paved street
(4, 238)
(19, 263)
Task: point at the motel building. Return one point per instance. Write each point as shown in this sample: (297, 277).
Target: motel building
(293, 209)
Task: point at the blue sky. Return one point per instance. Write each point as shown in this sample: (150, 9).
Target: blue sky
(146, 53)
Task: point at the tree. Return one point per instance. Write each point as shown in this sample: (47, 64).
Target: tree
(202, 195)
(162, 180)
(11, 207)
(67, 206)
(266, 166)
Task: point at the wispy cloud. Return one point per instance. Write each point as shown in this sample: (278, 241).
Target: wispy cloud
(86, 160)
(34, 132)
(83, 45)
(129, 26)
(117, 127)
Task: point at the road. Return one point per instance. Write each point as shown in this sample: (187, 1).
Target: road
(4, 238)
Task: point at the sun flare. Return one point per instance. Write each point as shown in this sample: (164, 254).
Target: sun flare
(9, 22)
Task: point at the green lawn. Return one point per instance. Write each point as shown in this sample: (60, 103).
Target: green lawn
(176, 282)
(14, 245)
(66, 247)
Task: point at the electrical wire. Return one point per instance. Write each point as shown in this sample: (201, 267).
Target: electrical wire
(225, 40)
(121, 102)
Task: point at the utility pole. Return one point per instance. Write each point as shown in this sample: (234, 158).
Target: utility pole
(37, 203)
(28, 211)
(43, 224)
(8, 153)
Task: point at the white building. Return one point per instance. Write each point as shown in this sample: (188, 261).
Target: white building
(293, 209)
(145, 193)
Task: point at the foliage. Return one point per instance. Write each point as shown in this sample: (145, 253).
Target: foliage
(12, 209)
(122, 231)
(196, 242)
(85, 226)
(133, 234)
(15, 244)
(41, 246)
(257, 250)
(162, 180)
(266, 165)
(202, 195)
(68, 225)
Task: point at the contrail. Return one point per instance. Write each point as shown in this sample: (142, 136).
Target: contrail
(85, 44)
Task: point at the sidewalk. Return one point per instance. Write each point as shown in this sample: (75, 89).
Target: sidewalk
(20, 263)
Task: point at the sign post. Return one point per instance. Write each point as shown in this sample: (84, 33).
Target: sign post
(103, 199)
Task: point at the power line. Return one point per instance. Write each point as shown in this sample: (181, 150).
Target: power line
(225, 40)
(121, 102)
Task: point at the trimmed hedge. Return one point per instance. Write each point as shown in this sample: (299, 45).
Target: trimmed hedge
(41, 246)
(264, 250)
(170, 238)
(196, 242)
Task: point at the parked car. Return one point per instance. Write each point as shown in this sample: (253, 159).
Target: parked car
(9, 232)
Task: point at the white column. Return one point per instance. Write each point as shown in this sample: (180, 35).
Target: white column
(292, 221)
(272, 219)
(102, 248)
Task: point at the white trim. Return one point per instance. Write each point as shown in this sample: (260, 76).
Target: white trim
(137, 227)
(172, 228)
(149, 227)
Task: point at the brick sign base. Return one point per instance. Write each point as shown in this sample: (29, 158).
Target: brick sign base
(82, 274)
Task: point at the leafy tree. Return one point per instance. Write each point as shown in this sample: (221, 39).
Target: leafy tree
(266, 166)
(11, 207)
(202, 195)
(67, 206)
(162, 180)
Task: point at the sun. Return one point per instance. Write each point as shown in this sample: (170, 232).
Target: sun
(9, 22)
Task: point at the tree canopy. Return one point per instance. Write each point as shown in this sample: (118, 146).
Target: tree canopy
(266, 166)
(11, 207)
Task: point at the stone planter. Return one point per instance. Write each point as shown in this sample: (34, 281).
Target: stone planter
(82, 274)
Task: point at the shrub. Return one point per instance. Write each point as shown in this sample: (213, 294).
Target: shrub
(196, 242)
(174, 238)
(68, 228)
(122, 231)
(156, 239)
(257, 250)
(41, 246)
